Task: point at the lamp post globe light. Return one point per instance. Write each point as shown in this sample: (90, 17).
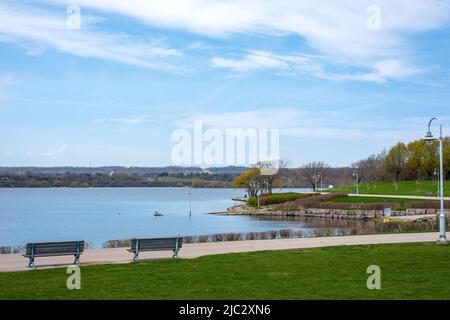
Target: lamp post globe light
(429, 138)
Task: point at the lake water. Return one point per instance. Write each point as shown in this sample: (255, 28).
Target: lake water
(99, 214)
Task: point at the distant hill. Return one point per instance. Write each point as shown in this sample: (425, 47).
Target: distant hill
(120, 169)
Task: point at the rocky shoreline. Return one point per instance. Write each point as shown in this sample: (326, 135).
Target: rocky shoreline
(329, 213)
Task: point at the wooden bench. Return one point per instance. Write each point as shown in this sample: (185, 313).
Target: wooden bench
(49, 249)
(156, 244)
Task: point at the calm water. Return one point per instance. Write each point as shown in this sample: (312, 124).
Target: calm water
(100, 214)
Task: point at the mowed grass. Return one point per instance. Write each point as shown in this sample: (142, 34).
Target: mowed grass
(401, 201)
(408, 271)
(413, 188)
(277, 198)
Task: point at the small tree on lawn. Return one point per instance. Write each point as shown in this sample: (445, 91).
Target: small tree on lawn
(251, 180)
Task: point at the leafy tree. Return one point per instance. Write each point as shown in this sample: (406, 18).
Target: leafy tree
(430, 159)
(395, 160)
(250, 180)
(414, 163)
(447, 157)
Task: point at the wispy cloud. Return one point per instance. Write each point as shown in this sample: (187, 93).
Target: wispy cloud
(50, 153)
(296, 123)
(7, 80)
(38, 30)
(125, 120)
(337, 28)
(258, 119)
(383, 70)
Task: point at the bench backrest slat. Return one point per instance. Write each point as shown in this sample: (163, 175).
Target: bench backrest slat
(43, 248)
(156, 244)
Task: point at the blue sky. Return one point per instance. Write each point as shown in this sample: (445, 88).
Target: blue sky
(338, 84)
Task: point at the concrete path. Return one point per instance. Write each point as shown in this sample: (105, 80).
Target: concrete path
(396, 196)
(15, 262)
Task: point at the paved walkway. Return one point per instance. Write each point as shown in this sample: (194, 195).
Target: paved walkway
(15, 262)
(396, 196)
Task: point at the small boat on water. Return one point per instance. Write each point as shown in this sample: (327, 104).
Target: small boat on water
(157, 214)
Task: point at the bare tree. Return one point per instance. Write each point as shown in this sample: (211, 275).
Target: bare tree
(370, 169)
(313, 171)
(274, 170)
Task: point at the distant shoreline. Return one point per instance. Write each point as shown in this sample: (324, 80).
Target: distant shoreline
(102, 187)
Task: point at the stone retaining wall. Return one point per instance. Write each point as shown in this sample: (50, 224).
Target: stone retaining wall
(344, 214)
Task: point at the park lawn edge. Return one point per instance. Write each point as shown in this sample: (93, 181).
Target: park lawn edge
(411, 271)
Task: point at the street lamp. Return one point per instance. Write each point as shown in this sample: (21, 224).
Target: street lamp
(356, 175)
(190, 205)
(429, 140)
(317, 178)
(255, 185)
(436, 173)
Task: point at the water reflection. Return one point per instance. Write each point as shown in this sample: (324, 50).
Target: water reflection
(319, 226)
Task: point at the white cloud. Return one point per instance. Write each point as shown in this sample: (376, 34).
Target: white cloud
(7, 80)
(127, 120)
(298, 124)
(256, 119)
(250, 62)
(39, 30)
(383, 70)
(50, 153)
(337, 28)
(259, 60)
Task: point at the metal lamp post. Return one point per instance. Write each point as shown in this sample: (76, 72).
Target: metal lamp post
(356, 175)
(436, 173)
(255, 185)
(190, 204)
(321, 180)
(430, 139)
(316, 178)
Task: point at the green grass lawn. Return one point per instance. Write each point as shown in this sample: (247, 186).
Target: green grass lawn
(277, 198)
(401, 201)
(403, 188)
(408, 271)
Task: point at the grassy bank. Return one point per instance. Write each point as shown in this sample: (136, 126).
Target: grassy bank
(409, 271)
(412, 188)
(401, 201)
(277, 198)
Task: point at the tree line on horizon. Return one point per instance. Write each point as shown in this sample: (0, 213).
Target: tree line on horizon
(415, 160)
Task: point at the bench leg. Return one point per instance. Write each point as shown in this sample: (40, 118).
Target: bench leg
(135, 258)
(77, 260)
(31, 263)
